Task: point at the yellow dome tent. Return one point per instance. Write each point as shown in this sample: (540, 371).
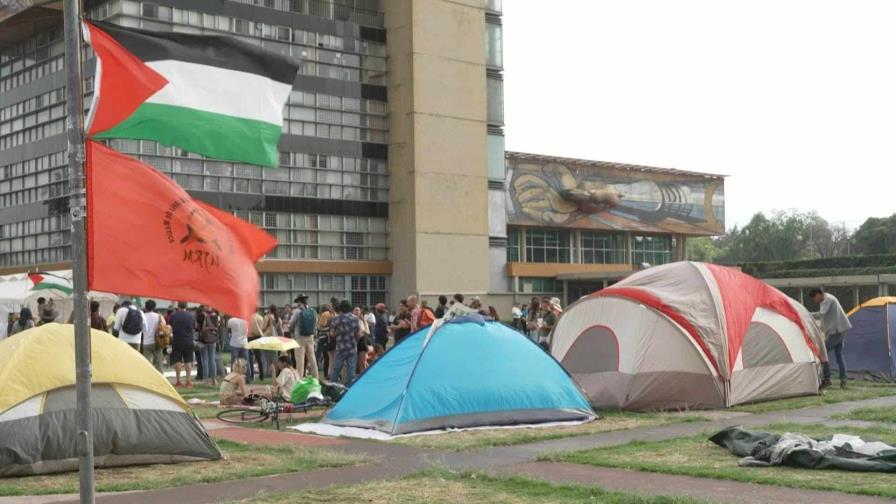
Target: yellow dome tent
(138, 417)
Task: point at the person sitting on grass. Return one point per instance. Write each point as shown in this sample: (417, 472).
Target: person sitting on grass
(233, 387)
(285, 381)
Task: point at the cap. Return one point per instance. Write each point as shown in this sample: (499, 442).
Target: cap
(300, 297)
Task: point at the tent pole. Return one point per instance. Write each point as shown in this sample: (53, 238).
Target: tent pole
(74, 124)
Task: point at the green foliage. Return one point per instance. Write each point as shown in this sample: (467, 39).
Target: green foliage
(786, 236)
(703, 249)
(850, 265)
(877, 236)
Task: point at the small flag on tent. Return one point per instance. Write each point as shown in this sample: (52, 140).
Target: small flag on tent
(148, 237)
(214, 95)
(49, 281)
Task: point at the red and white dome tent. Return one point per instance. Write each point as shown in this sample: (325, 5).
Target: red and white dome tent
(689, 335)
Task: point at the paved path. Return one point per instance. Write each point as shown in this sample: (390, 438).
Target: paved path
(666, 484)
(395, 460)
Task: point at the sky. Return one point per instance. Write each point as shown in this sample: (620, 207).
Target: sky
(794, 100)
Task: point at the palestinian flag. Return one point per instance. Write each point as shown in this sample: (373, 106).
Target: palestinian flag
(48, 281)
(214, 95)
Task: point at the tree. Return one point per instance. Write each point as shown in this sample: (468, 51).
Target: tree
(785, 236)
(877, 236)
(702, 249)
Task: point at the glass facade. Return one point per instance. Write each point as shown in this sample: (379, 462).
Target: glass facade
(602, 248)
(651, 249)
(328, 199)
(547, 246)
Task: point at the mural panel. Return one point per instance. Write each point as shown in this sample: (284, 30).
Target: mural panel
(613, 198)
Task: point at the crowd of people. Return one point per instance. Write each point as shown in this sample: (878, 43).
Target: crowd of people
(337, 341)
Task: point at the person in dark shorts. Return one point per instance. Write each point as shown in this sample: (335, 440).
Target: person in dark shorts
(182, 347)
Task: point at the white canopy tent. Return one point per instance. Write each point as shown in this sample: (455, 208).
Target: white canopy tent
(16, 292)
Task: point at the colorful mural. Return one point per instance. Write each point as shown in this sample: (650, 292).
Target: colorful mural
(543, 191)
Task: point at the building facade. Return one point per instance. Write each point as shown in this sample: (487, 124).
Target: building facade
(357, 202)
(393, 178)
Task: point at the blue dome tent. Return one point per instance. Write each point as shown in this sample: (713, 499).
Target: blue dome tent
(468, 372)
(870, 344)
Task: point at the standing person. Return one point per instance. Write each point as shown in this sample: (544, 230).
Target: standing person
(270, 327)
(110, 320)
(199, 314)
(365, 346)
(345, 330)
(415, 312)
(285, 317)
(46, 311)
(442, 309)
(401, 324)
(532, 320)
(324, 341)
(834, 323)
(130, 325)
(427, 317)
(381, 327)
(370, 318)
(25, 322)
(304, 325)
(96, 320)
(154, 323)
(209, 332)
(516, 313)
(459, 298)
(552, 311)
(182, 345)
(239, 338)
(255, 332)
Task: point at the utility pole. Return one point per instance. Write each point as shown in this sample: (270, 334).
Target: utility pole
(74, 125)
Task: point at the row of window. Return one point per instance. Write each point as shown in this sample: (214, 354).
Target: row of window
(32, 104)
(335, 117)
(332, 102)
(39, 256)
(593, 247)
(362, 290)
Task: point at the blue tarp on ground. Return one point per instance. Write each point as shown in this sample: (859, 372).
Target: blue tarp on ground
(467, 373)
(869, 344)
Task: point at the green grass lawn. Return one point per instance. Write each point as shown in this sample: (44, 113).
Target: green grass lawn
(437, 487)
(857, 391)
(882, 415)
(483, 438)
(696, 456)
(241, 461)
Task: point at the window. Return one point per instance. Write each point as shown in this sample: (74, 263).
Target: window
(240, 26)
(493, 45)
(603, 248)
(150, 10)
(496, 157)
(540, 285)
(495, 100)
(547, 246)
(513, 245)
(653, 250)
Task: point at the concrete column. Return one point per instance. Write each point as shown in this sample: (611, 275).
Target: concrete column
(438, 154)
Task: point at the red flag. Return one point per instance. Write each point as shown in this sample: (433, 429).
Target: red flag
(148, 237)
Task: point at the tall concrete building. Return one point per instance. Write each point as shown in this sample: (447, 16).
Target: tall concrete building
(391, 140)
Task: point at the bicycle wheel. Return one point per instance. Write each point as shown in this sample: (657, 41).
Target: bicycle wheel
(242, 415)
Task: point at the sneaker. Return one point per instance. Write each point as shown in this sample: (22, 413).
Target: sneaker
(825, 384)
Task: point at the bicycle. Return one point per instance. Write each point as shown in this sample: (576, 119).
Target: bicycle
(268, 409)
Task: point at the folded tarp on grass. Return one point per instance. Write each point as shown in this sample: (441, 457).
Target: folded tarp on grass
(842, 452)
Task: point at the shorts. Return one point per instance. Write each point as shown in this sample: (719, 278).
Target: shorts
(182, 353)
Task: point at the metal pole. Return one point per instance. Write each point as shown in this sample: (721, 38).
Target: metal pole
(74, 125)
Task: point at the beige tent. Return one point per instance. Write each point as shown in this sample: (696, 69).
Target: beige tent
(689, 335)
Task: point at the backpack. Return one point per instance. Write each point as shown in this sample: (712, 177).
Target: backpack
(307, 322)
(133, 321)
(209, 333)
(426, 318)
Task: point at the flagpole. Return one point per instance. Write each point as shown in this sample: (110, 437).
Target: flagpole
(74, 124)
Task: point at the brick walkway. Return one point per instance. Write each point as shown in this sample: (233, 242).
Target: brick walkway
(395, 461)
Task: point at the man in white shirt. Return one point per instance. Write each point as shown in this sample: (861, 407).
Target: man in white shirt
(132, 339)
(835, 325)
(153, 323)
(239, 338)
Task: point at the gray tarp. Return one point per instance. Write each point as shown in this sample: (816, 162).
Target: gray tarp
(796, 450)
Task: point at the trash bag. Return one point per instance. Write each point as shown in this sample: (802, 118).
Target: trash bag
(333, 391)
(305, 389)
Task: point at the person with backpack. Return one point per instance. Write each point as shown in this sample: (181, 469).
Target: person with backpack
(130, 325)
(303, 325)
(210, 329)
